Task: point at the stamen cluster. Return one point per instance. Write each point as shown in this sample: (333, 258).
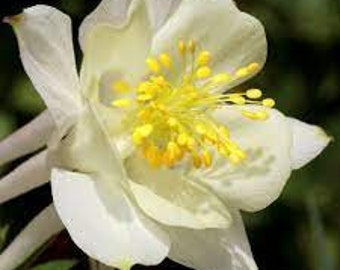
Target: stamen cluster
(170, 119)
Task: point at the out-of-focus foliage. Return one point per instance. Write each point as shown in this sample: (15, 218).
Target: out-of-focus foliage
(300, 230)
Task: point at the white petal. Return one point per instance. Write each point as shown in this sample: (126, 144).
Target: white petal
(102, 221)
(111, 49)
(34, 235)
(213, 249)
(258, 180)
(27, 139)
(308, 142)
(235, 39)
(45, 42)
(87, 148)
(160, 11)
(168, 197)
(29, 175)
(114, 12)
(109, 12)
(117, 135)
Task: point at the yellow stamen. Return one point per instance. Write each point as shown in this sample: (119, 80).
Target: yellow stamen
(165, 60)
(141, 133)
(144, 97)
(260, 115)
(196, 160)
(201, 129)
(221, 78)
(238, 100)
(206, 158)
(242, 72)
(203, 72)
(121, 103)
(254, 93)
(171, 120)
(183, 139)
(121, 86)
(204, 58)
(181, 48)
(268, 102)
(191, 46)
(253, 67)
(153, 65)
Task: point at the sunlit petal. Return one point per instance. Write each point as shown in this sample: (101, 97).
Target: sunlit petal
(259, 179)
(216, 249)
(110, 230)
(46, 49)
(234, 39)
(117, 50)
(168, 197)
(308, 142)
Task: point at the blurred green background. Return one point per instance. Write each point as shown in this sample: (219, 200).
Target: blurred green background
(301, 230)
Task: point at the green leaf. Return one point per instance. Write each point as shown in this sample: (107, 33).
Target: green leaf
(322, 255)
(56, 265)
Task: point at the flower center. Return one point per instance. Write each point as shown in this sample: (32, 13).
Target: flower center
(170, 119)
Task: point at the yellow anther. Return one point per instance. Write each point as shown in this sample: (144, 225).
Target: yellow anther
(137, 138)
(240, 153)
(153, 65)
(237, 99)
(253, 67)
(196, 160)
(144, 115)
(146, 130)
(211, 136)
(260, 115)
(172, 122)
(159, 80)
(201, 129)
(165, 60)
(120, 86)
(235, 159)
(191, 143)
(204, 58)
(143, 87)
(203, 72)
(242, 72)
(166, 160)
(181, 48)
(174, 151)
(191, 46)
(141, 133)
(144, 97)
(223, 150)
(268, 102)
(152, 153)
(206, 158)
(182, 139)
(254, 93)
(221, 78)
(121, 103)
(224, 132)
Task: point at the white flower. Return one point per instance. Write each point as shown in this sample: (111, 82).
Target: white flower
(151, 163)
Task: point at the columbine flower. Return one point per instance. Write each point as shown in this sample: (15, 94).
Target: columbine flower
(149, 157)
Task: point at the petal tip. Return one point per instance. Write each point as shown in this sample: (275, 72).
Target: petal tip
(13, 20)
(324, 136)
